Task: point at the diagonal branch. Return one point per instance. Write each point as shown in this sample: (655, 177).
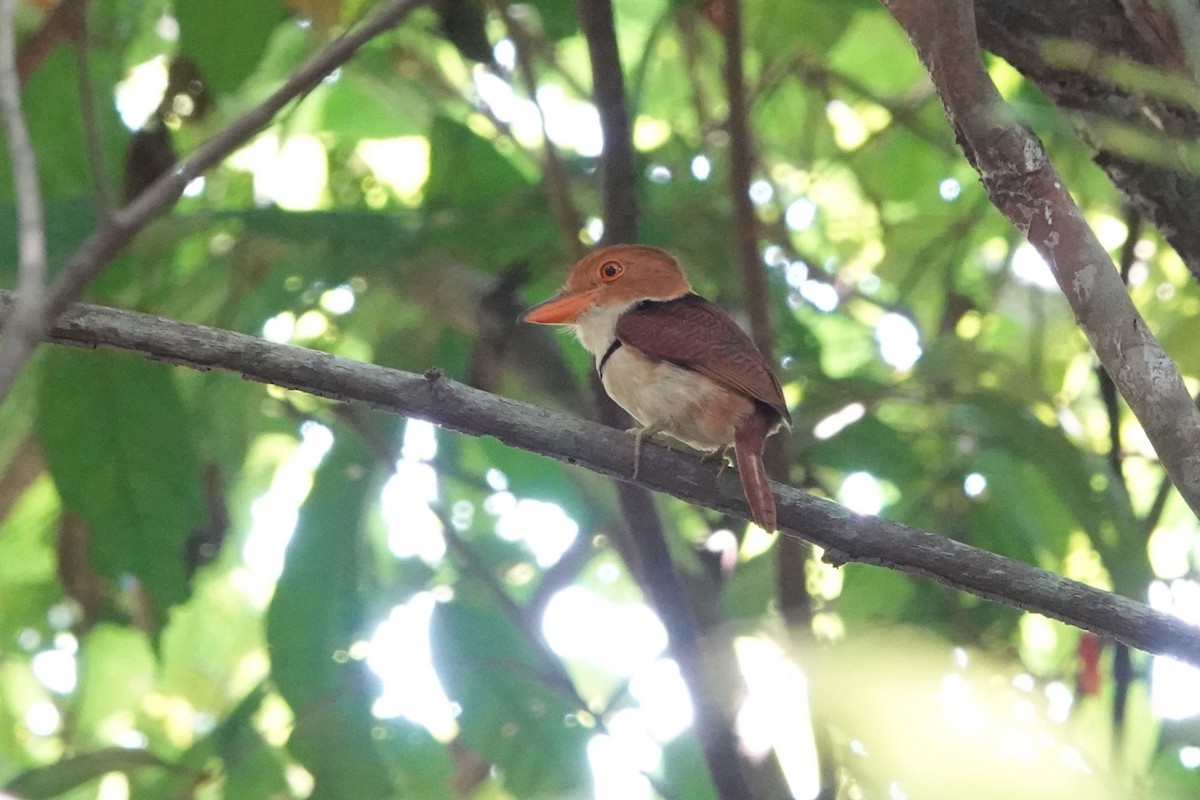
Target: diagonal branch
(1028, 190)
(845, 535)
(116, 231)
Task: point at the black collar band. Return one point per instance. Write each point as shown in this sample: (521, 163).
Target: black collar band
(612, 348)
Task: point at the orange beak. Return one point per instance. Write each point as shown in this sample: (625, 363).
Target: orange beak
(562, 309)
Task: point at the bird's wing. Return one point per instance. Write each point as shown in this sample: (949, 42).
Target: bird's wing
(694, 333)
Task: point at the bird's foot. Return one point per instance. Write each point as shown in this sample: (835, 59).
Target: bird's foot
(721, 456)
(647, 432)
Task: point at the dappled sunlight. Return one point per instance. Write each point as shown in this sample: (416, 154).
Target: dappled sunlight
(544, 528)
(663, 699)
(899, 341)
(833, 424)
(140, 93)
(275, 512)
(1030, 268)
(1175, 686)
(402, 164)
(614, 773)
(56, 669)
(861, 492)
(1000, 735)
(291, 173)
(414, 529)
(619, 638)
(400, 655)
(776, 714)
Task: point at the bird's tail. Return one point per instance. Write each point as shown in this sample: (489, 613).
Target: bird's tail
(748, 442)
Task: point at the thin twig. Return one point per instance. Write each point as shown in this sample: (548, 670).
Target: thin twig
(689, 40)
(56, 27)
(1121, 671)
(554, 172)
(23, 328)
(905, 112)
(845, 535)
(115, 233)
(1154, 514)
(93, 132)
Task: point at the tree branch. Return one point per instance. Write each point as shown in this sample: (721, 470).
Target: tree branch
(23, 328)
(57, 26)
(1027, 189)
(115, 232)
(617, 174)
(845, 535)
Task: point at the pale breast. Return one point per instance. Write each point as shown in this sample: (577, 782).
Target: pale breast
(685, 404)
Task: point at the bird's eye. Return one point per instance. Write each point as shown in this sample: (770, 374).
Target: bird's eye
(610, 271)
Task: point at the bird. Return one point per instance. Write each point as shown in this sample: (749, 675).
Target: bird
(679, 364)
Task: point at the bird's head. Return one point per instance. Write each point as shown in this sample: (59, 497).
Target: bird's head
(617, 276)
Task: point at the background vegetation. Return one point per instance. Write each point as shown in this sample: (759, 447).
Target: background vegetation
(213, 588)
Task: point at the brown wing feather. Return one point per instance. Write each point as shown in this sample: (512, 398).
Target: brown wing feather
(694, 333)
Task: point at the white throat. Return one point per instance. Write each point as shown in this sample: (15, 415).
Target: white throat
(597, 328)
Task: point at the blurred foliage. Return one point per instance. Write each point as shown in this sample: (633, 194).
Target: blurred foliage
(161, 638)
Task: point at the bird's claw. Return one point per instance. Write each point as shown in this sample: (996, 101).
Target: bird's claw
(721, 454)
(648, 432)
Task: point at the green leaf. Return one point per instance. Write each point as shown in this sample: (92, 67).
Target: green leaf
(559, 19)
(226, 38)
(685, 771)
(510, 715)
(257, 774)
(314, 618)
(1020, 515)
(480, 205)
(875, 52)
(27, 536)
(50, 102)
(117, 441)
(68, 223)
(871, 596)
(233, 740)
(363, 105)
(751, 589)
(334, 740)
(421, 766)
(872, 446)
(348, 240)
(116, 672)
(1051, 465)
(466, 171)
(776, 30)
